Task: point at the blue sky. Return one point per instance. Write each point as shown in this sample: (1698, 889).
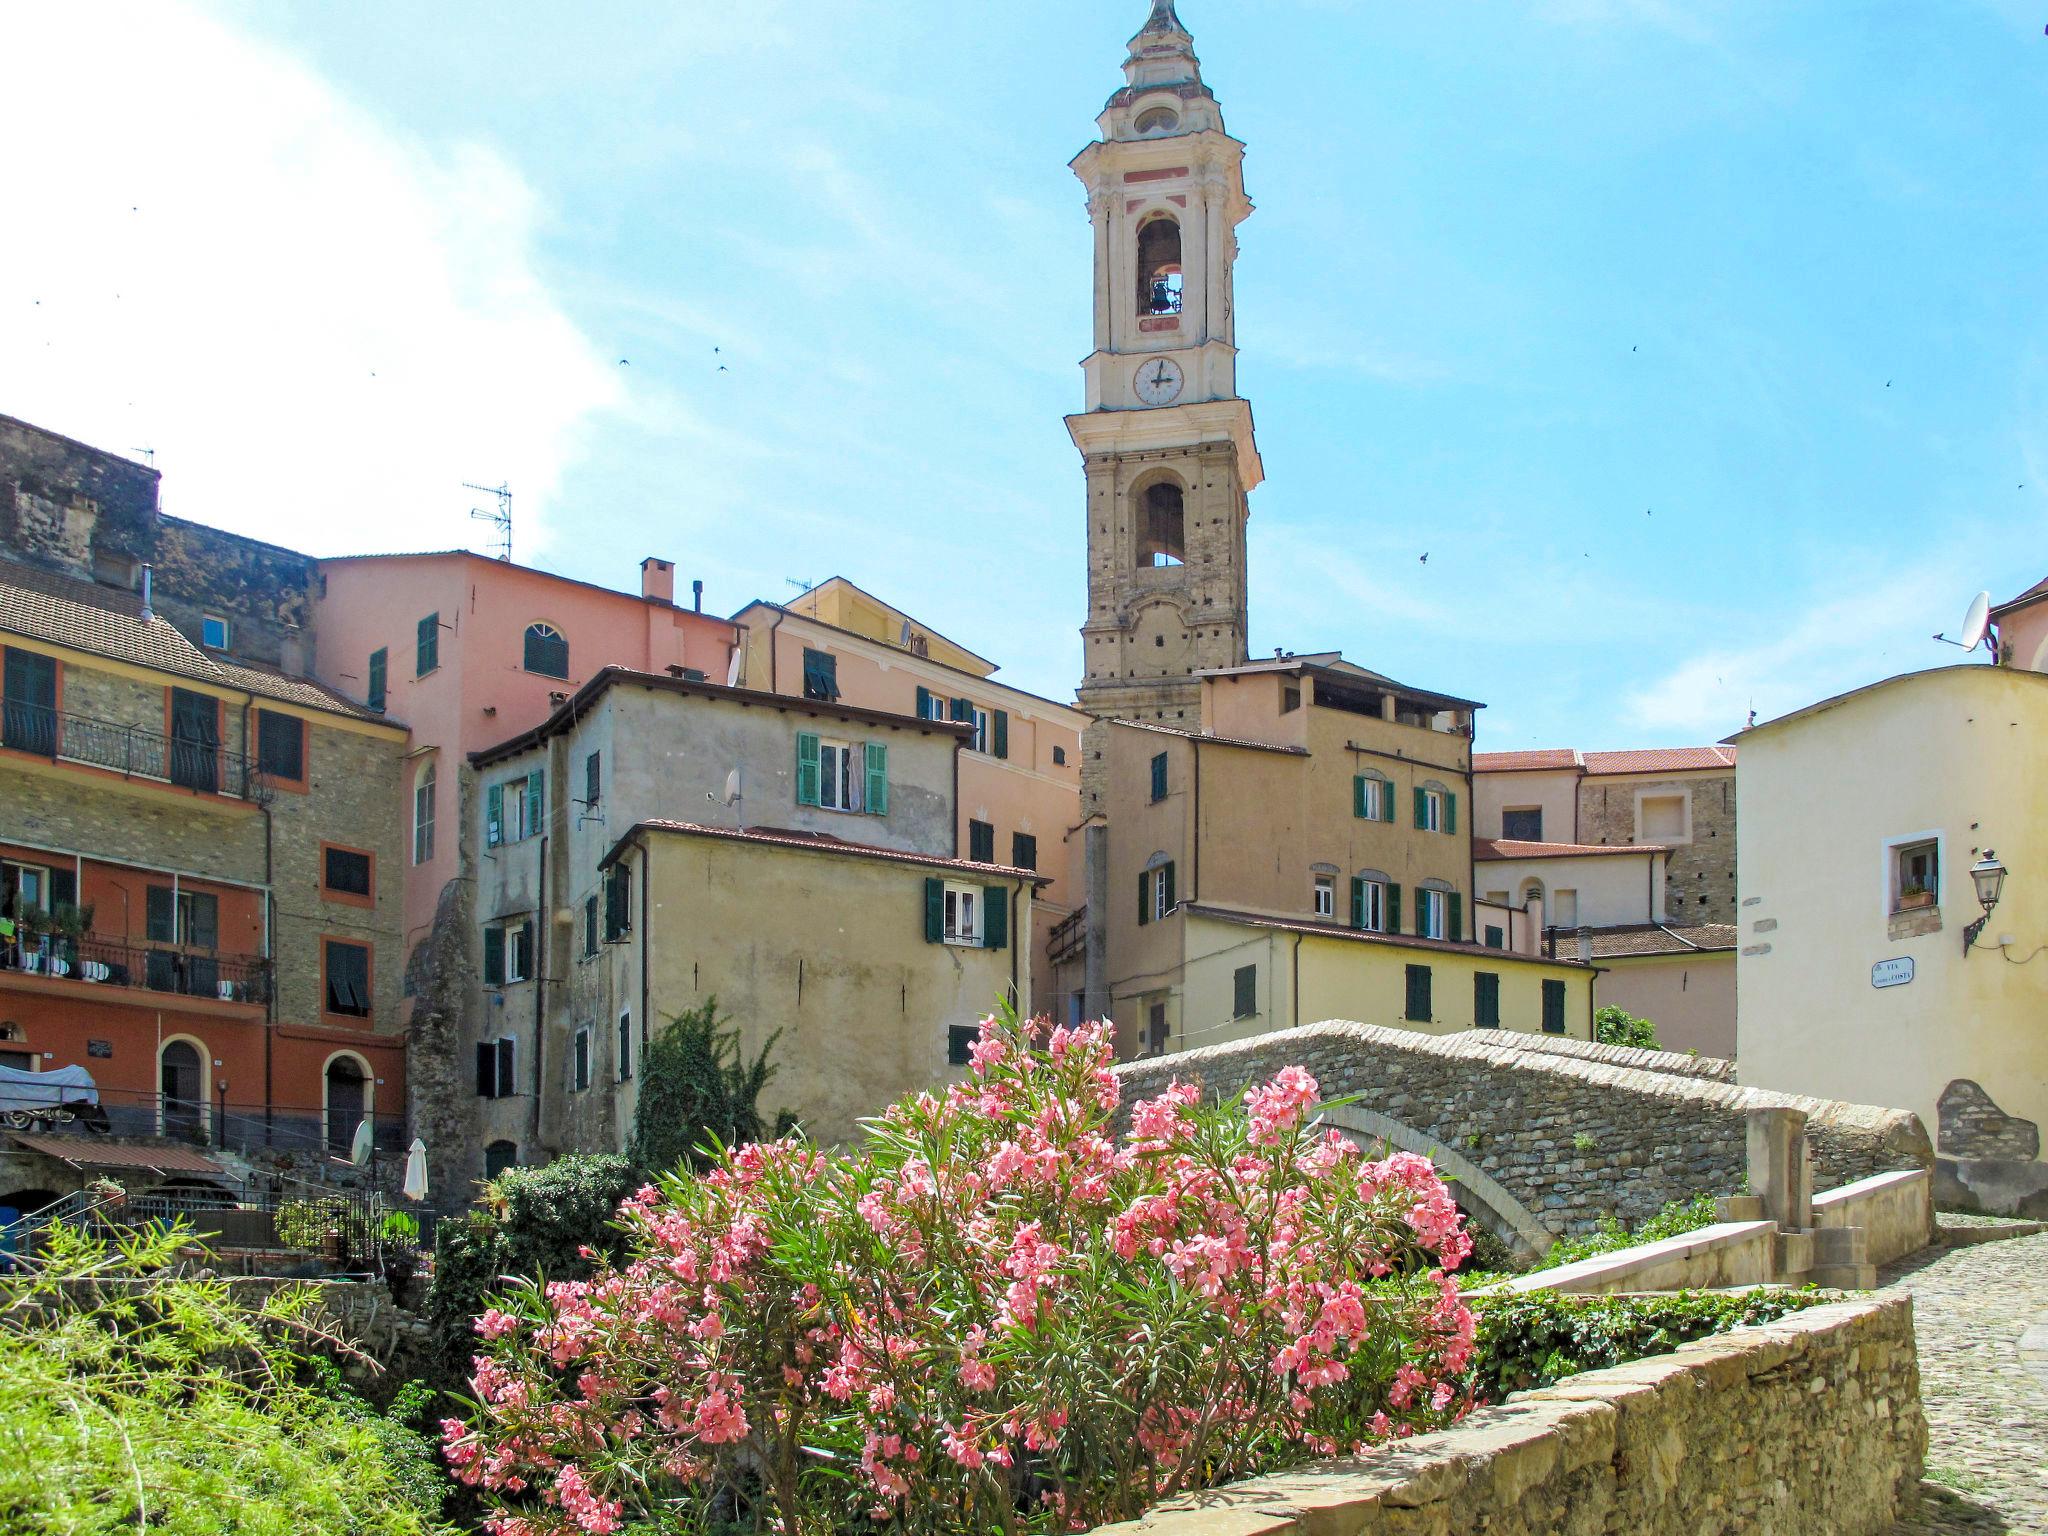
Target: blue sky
(1702, 347)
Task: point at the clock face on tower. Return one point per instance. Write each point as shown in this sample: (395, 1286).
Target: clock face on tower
(1158, 382)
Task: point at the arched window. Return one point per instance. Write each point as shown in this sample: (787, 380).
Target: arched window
(499, 1156)
(1157, 120)
(348, 1100)
(547, 650)
(423, 815)
(1161, 525)
(182, 1081)
(1159, 278)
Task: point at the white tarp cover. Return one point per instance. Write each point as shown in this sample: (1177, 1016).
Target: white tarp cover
(45, 1090)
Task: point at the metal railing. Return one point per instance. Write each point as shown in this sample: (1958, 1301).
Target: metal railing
(1069, 936)
(132, 751)
(286, 1214)
(226, 978)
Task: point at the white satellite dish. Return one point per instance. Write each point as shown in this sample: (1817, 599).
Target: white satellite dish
(732, 668)
(1976, 621)
(732, 787)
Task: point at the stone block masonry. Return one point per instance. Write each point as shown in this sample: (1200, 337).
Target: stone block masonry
(1809, 1424)
(1574, 1140)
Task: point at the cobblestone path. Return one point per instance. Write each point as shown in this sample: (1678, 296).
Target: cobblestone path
(1981, 1317)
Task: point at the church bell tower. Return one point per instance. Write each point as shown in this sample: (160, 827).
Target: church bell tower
(1166, 439)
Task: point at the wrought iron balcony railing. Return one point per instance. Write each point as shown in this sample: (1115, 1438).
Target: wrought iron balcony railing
(154, 967)
(130, 750)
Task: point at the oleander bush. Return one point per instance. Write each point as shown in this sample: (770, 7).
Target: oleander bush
(995, 1315)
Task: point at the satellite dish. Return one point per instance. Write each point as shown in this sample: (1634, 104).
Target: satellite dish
(1976, 621)
(732, 668)
(732, 787)
(903, 638)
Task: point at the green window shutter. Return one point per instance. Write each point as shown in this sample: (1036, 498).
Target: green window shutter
(1144, 897)
(1358, 795)
(1450, 813)
(1159, 777)
(1553, 1007)
(934, 911)
(1486, 1000)
(963, 710)
(1166, 874)
(536, 783)
(428, 645)
(1387, 801)
(806, 768)
(1454, 927)
(1421, 807)
(375, 697)
(162, 915)
(1000, 729)
(1357, 898)
(1393, 914)
(877, 798)
(494, 957)
(995, 917)
(494, 815)
(924, 703)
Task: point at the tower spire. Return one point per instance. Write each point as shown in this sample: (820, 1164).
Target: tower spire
(1163, 52)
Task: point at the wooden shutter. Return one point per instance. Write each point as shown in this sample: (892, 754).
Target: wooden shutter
(1553, 1007)
(963, 710)
(876, 801)
(1450, 812)
(486, 1070)
(995, 917)
(1358, 898)
(536, 783)
(1392, 921)
(1454, 925)
(375, 692)
(162, 918)
(1421, 807)
(494, 815)
(1159, 777)
(494, 957)
(1000, 729)
(1358, 795)
(924, 703)
(1167, 901)
(806, 768)
(427, 648)
(506, 1086)
(1486, 1000)
(1144, 897)
(1387, 801)
(934, 910)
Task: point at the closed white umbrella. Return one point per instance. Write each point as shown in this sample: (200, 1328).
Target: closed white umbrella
(359, 1149)
(416, 1171)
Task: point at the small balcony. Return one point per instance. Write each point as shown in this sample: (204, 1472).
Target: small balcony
(1069, 936)
(184, 971)
(131, 751)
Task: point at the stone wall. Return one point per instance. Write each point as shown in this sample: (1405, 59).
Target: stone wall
(1711, 1069)
(1699, 877)
(1812, 1423)
(1573, 1140)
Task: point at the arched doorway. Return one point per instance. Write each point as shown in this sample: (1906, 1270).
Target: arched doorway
(347, 1102)
(182, 1083)
(499, 1156)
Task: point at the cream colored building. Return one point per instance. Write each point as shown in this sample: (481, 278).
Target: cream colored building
(1859, 976)
(1020, 762)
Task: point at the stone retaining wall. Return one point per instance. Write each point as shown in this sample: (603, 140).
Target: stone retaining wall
(1811, 1423)
(1713, 1069)
(1572, 1139)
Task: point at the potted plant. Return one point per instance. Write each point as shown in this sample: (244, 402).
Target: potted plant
(35, 943)
(1913, 895)
(70, 922)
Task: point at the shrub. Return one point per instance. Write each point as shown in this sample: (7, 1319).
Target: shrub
(1617, 1026)
(1541, 1337)
(994, 1318)
(305, 1223)
(1674, 1220)
(138, 1400)
(697, 1090)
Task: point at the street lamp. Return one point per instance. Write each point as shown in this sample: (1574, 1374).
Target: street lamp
(1988, 875)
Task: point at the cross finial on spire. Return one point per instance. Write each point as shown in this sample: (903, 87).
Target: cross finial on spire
(1163, 18)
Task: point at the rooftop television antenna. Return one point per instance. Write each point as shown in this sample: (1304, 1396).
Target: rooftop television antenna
(1975, 623)
(500, 519)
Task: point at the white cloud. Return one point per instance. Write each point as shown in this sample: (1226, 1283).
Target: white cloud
(321, 325)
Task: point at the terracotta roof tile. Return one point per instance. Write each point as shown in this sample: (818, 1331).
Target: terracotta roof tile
(1523, 762)
(1659, 939)
(98, 1152)
(1660, 760)
(1516, 848)
(825, 842)
(1221, 741)
(1331, 930)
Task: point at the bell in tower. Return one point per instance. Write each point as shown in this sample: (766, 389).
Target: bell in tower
(1166, 440)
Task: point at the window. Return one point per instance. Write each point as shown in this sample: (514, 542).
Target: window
(1372, 798)
(1564, 908)
(345, 873)
(978, 718)
(1244, 992)
(1155, 892)
(427, 647)
(1159, 274)
(1059, 757)
(1162, 526)
(1326, 896)
(981, 842)
(1375, 904)
(618, 903)
(1157, 120)
(214, 632)
(1495, 938)
(495, 1074)
(423, 815)
(960, 1041)
(348, 978)
(192, 919)
(513, 809)
(1156, 1033)
(821, 675)
(499, 1156)
(842, 776)
(929, 705)
(626, 1045)
(955, 913)
(963, 914)
(195, 740)
(590, 929)
(1553, 1007)
(1159, 778)
(1023, 850)
(1523, 824)
(29, 721)
(1916, 875)
(508, 951)
(1417, 1009)
(281, 745)
(579, 1061)
(1486, 1000)
(1436, 809)
(547, 650)
(838, 783)
(1290, 699)
(593, 781)
(1662, 819)
(374, 694)
(1429, 914)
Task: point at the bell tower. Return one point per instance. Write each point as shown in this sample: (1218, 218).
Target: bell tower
(1166, 440)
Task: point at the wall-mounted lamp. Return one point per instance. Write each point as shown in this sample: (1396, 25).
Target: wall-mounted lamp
(1988, 875)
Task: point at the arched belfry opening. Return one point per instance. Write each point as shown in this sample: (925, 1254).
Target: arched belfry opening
(1162, 525)
(1159, 274)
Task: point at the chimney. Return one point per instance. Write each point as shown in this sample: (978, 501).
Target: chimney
(148, 588)
(696, 597)
(1585, 946)
(291, 655)
(658, 581)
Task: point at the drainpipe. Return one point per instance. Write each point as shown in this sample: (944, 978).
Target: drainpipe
(780, 615)
(1195, 825)
(1296, 988)
(646, 1023)
(543, 930)
(1016, 943)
